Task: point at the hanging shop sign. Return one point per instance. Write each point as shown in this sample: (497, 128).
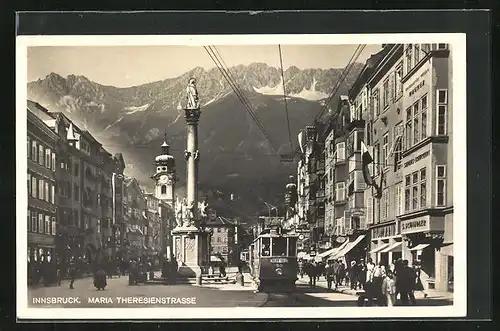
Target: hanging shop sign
(415, 225)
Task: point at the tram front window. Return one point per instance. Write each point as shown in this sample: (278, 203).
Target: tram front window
(292, 246)
(279, 246)
(266, 245)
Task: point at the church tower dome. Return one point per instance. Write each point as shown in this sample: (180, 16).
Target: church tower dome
(165, 176)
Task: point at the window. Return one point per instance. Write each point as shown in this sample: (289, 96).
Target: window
(385, 150)
(34, 182)
(41, 187)
(409, 58)
(77, 169)
(398, 77)
(164, 189)
(386, 93)
(54, 226)
(224, 240)
(34, 221)
(416, 127)
(409, 130)
(53, 194)
(407, 192)
(40, 223)
(384, 212)
(53, 161)
(417, 53)
(423, 189)
(398, 145)
(340, 152)
(99, 226)
(76, 192)
(28, 151)
(340, 191)
(442, 112)
(279, 246)
(46, 192)
(398, 193)
(34, 150)
(426, 48)
(40, 155)
(350, 144)
(376, 103)
(441, 185)
(29, 184)
(423, 114)
(416, 190)
(369, 208)
(48, 225)
(48, 158)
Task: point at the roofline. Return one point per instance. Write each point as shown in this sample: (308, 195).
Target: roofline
(38, 122)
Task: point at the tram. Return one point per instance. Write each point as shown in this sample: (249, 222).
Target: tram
(273, 259)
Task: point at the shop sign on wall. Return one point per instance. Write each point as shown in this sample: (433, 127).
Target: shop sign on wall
(416, 225)
(384, 231)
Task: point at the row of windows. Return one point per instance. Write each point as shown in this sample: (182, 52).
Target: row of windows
(416, 189)
(414, 53)
(41, 154)
(42, 189)
(38, 222)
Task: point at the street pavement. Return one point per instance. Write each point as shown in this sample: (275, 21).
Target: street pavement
(119, 294)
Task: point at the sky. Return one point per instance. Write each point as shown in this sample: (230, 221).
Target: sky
(124, 66)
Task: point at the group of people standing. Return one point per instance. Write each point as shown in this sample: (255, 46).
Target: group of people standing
(384, 284)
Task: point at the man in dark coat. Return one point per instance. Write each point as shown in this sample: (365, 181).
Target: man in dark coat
(406, 282)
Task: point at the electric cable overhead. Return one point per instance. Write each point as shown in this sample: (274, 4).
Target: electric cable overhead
(345, 72)
(284, 99)
(240, 95)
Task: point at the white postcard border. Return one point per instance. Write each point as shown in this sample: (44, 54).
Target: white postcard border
(457, 42)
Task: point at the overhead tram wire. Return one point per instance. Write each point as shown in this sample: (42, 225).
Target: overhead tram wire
(343, 75)
(240, 96)
(284, 99)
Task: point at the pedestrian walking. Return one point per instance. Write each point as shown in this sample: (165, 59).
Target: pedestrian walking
(72, 275)
(353, 277)
(406, 282)
(388, 289)
(361, 271)
(419, 286)
(341, 274)
(329, 274)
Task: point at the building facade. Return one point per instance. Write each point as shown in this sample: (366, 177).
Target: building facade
(119, 226)
(427, 168)
(136, 220)
(42, 199)
(384, 136)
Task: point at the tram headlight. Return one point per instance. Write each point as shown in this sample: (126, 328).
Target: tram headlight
(279, 271)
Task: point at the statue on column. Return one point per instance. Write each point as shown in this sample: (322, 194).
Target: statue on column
(192, 95)
(189, 213)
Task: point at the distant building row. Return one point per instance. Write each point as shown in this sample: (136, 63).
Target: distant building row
(80, 205)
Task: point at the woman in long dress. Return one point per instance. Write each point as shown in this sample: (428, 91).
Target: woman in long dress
(419, 286)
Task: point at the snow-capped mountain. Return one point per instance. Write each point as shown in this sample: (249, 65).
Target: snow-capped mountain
(235, 156)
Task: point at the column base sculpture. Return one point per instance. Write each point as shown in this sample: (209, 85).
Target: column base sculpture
(190, 251)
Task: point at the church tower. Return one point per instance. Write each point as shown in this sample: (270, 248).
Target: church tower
(165, 177)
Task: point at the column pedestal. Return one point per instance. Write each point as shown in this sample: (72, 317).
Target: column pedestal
(190, 251)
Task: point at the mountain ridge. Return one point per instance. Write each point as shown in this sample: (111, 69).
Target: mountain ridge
(235, 156)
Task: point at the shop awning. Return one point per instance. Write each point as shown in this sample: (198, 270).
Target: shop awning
(336, 250)
(326, 253)
(347, 248)
(396, 247)
(378, 249)
(419, 247)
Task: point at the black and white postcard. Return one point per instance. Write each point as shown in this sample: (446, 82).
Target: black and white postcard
(250, 176)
